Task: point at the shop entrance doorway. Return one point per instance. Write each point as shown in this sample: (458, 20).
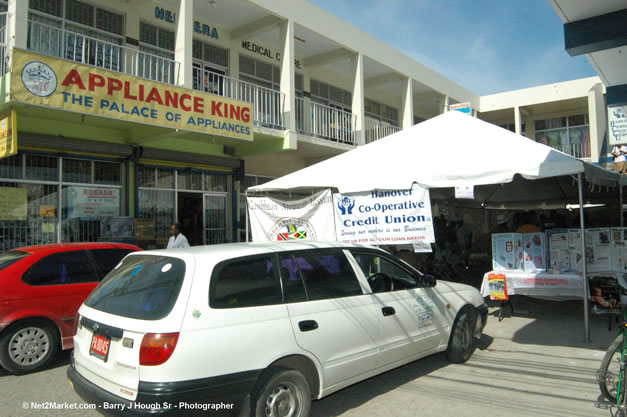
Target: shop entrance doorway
(189, 206)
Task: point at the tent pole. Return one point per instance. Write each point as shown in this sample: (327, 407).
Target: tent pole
(246, 217)
(586, 290)
(620, 202)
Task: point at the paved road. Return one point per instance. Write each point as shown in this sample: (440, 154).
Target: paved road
(532, 364)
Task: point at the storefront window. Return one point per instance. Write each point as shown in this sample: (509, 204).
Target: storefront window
(158, 205)
(77, 170)
(165, 178)
(44, 168)
(216, 182)
(33, 216)
(107, 173)
(11, 167)
(189, 180)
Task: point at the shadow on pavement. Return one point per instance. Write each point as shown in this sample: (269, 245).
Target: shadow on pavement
(61, 359)
(359, 394)
(551, 323)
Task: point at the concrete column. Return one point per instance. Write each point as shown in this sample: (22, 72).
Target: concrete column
(407, 103)
(184, 40)
(445, 104)
(517, 121)
(234, 49)
(132, 48)
(17, 23)
(288, 83)
(357, 64)
(597, 121)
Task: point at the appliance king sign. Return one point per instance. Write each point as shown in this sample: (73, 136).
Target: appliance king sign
(384, 217)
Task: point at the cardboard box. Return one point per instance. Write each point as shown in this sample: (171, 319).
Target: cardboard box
(558, 249)
(534, 252)
(507, 251)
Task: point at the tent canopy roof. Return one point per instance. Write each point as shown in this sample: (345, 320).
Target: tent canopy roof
(449, 150)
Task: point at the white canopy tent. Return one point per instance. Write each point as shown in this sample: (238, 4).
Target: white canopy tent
(452, 149)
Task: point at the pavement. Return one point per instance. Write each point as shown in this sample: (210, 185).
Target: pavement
(534, 363)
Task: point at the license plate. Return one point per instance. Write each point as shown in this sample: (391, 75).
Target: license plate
(100, 346)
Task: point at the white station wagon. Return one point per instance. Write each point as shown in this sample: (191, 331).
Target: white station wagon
(260, 329)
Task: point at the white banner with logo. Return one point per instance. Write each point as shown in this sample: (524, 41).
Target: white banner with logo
(309, 218)
(384, 217)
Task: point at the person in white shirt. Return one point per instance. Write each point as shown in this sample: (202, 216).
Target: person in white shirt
(619, 152)
(178, 239)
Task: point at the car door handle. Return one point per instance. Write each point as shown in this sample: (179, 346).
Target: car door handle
(307, 325)
(388, 311)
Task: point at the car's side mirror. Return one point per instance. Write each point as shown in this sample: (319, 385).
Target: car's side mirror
(429, 280)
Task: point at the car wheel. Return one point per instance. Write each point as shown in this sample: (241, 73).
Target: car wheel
(27, 347)
(282, 393)
(460, 345)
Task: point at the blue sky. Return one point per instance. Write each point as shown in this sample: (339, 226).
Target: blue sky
(486, 46)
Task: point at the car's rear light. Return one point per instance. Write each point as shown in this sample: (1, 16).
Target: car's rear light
(157, 348)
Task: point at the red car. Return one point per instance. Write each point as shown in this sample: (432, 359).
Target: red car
(41, 289)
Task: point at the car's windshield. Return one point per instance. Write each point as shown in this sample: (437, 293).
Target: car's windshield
(140, 287)
(10, 257)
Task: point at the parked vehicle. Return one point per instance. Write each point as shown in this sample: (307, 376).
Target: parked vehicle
(42, 288)
(260, 329)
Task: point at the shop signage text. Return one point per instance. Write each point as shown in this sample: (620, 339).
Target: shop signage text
(75, 87)
(8, 135)
(617, 124)
(170, 17)
(267, 52)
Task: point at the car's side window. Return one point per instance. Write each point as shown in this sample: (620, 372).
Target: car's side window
(245, 282)
(327, 274)
(107, 259)
(71, 267)
(293, 286)
(384, 275)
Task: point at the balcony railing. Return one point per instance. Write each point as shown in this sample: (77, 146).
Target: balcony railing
(578, 150)
(4, 46)
(267, 103)
(325, 122)
(61, 43)
(376, 129)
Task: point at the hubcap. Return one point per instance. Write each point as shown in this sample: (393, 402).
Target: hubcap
(29, 346)
(282, 401)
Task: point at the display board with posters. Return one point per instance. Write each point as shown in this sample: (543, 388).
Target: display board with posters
(309, 218)
(507, 251)
(534, 251)
(598, 254)
(618, 248)
(384, 217)
(576, 252)
(558, 249)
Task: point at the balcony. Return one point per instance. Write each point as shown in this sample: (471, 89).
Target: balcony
(267, 103)
(325, 122)
(61, 43)
(578, 150)
(376, 129)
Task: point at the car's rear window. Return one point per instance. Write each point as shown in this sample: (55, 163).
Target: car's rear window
(11, 257)
(142, 287)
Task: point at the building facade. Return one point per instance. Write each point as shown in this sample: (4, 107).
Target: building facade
(166, 111)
